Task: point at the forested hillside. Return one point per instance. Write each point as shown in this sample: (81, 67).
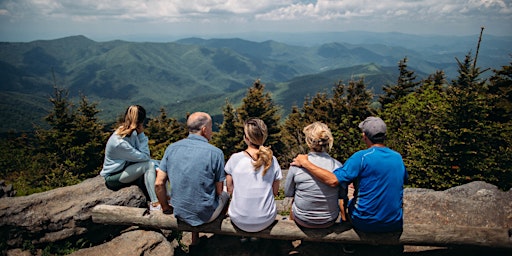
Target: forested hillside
(197, 74)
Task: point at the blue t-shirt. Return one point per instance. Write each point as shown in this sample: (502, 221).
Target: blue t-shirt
(379, 175)
(193, 167)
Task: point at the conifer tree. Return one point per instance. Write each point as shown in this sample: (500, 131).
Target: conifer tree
(467, 128)
(405, 85)
(229, 135)
(293, 137)
(356, 101)
(258, 103)
(500, 91)
(437, 80)
(71, 149)
(163, 131)
(416, 130)
(88, 140)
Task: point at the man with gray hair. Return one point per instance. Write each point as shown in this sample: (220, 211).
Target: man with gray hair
(195, 169)
(378, 174)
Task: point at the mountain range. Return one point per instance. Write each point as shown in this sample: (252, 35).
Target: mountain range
(195, 74)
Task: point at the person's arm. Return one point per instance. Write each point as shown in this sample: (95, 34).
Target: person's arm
(219, 187)
(143, 143)
(161, 191)
(229, 184)
(278, 176)
(289, 184)
(323, 175)
(275, 187)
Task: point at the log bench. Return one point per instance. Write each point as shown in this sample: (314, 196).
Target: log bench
(413, 234)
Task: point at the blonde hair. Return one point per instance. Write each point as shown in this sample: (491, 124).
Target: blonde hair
(134, 115)
(318, 137)
(255, 131)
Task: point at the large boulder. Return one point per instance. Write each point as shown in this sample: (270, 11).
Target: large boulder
(130, 243)
(476, 204)
(62, 213)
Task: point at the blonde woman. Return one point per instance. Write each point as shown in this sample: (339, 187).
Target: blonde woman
(127, 159)
(315, 204)
(252, 178)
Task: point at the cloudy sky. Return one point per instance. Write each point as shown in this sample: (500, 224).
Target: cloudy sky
(27, 20)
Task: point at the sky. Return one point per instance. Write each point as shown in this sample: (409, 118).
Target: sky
(104, 20)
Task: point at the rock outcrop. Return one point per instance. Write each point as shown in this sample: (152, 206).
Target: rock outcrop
(64, 214)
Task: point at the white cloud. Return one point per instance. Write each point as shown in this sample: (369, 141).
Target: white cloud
(391, 15)
(263, 9)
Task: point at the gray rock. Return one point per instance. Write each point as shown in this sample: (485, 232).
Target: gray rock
(135, 242)
(61, 213)
(477, 204)
(64, 214)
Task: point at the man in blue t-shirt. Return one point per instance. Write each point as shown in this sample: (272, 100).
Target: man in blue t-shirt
(195, 170)
(378, 174)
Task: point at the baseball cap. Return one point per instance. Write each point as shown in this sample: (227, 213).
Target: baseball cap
(374, 128)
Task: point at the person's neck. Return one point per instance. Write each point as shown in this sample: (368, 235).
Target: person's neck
(251, 148)
(198, 134)
(379, 145)
(252, 152)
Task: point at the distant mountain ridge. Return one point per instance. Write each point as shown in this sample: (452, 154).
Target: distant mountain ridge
(194, 74)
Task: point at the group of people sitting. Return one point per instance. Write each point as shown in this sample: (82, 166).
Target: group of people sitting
(192, 181)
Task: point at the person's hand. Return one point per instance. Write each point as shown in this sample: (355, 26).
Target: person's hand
(139, 129)
(299, 160)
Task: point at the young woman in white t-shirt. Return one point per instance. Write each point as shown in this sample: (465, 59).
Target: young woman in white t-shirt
(252, 179)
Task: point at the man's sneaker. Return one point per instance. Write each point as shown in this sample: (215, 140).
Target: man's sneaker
(155, 207)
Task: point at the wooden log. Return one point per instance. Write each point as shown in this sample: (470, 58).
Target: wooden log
(413, 234)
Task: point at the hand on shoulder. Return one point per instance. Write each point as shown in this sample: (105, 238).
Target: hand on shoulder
(299, 160)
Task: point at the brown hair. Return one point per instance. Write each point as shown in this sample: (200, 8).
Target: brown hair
(134, 115)
(255, 131)
(318, 137)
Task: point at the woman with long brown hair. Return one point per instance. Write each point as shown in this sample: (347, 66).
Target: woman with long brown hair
(127, 157)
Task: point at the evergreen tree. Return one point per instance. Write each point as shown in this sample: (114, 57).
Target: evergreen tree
(162, 131)
(356, 101)
(438, 80)
(229, 135)
(500, 91)
(405, 85)
(88, 143)
(69, 151)
(416, 129)
(467, 128)
(258, 103)
(293, 138)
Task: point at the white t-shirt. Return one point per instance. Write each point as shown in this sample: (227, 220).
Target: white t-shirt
(252, 206)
